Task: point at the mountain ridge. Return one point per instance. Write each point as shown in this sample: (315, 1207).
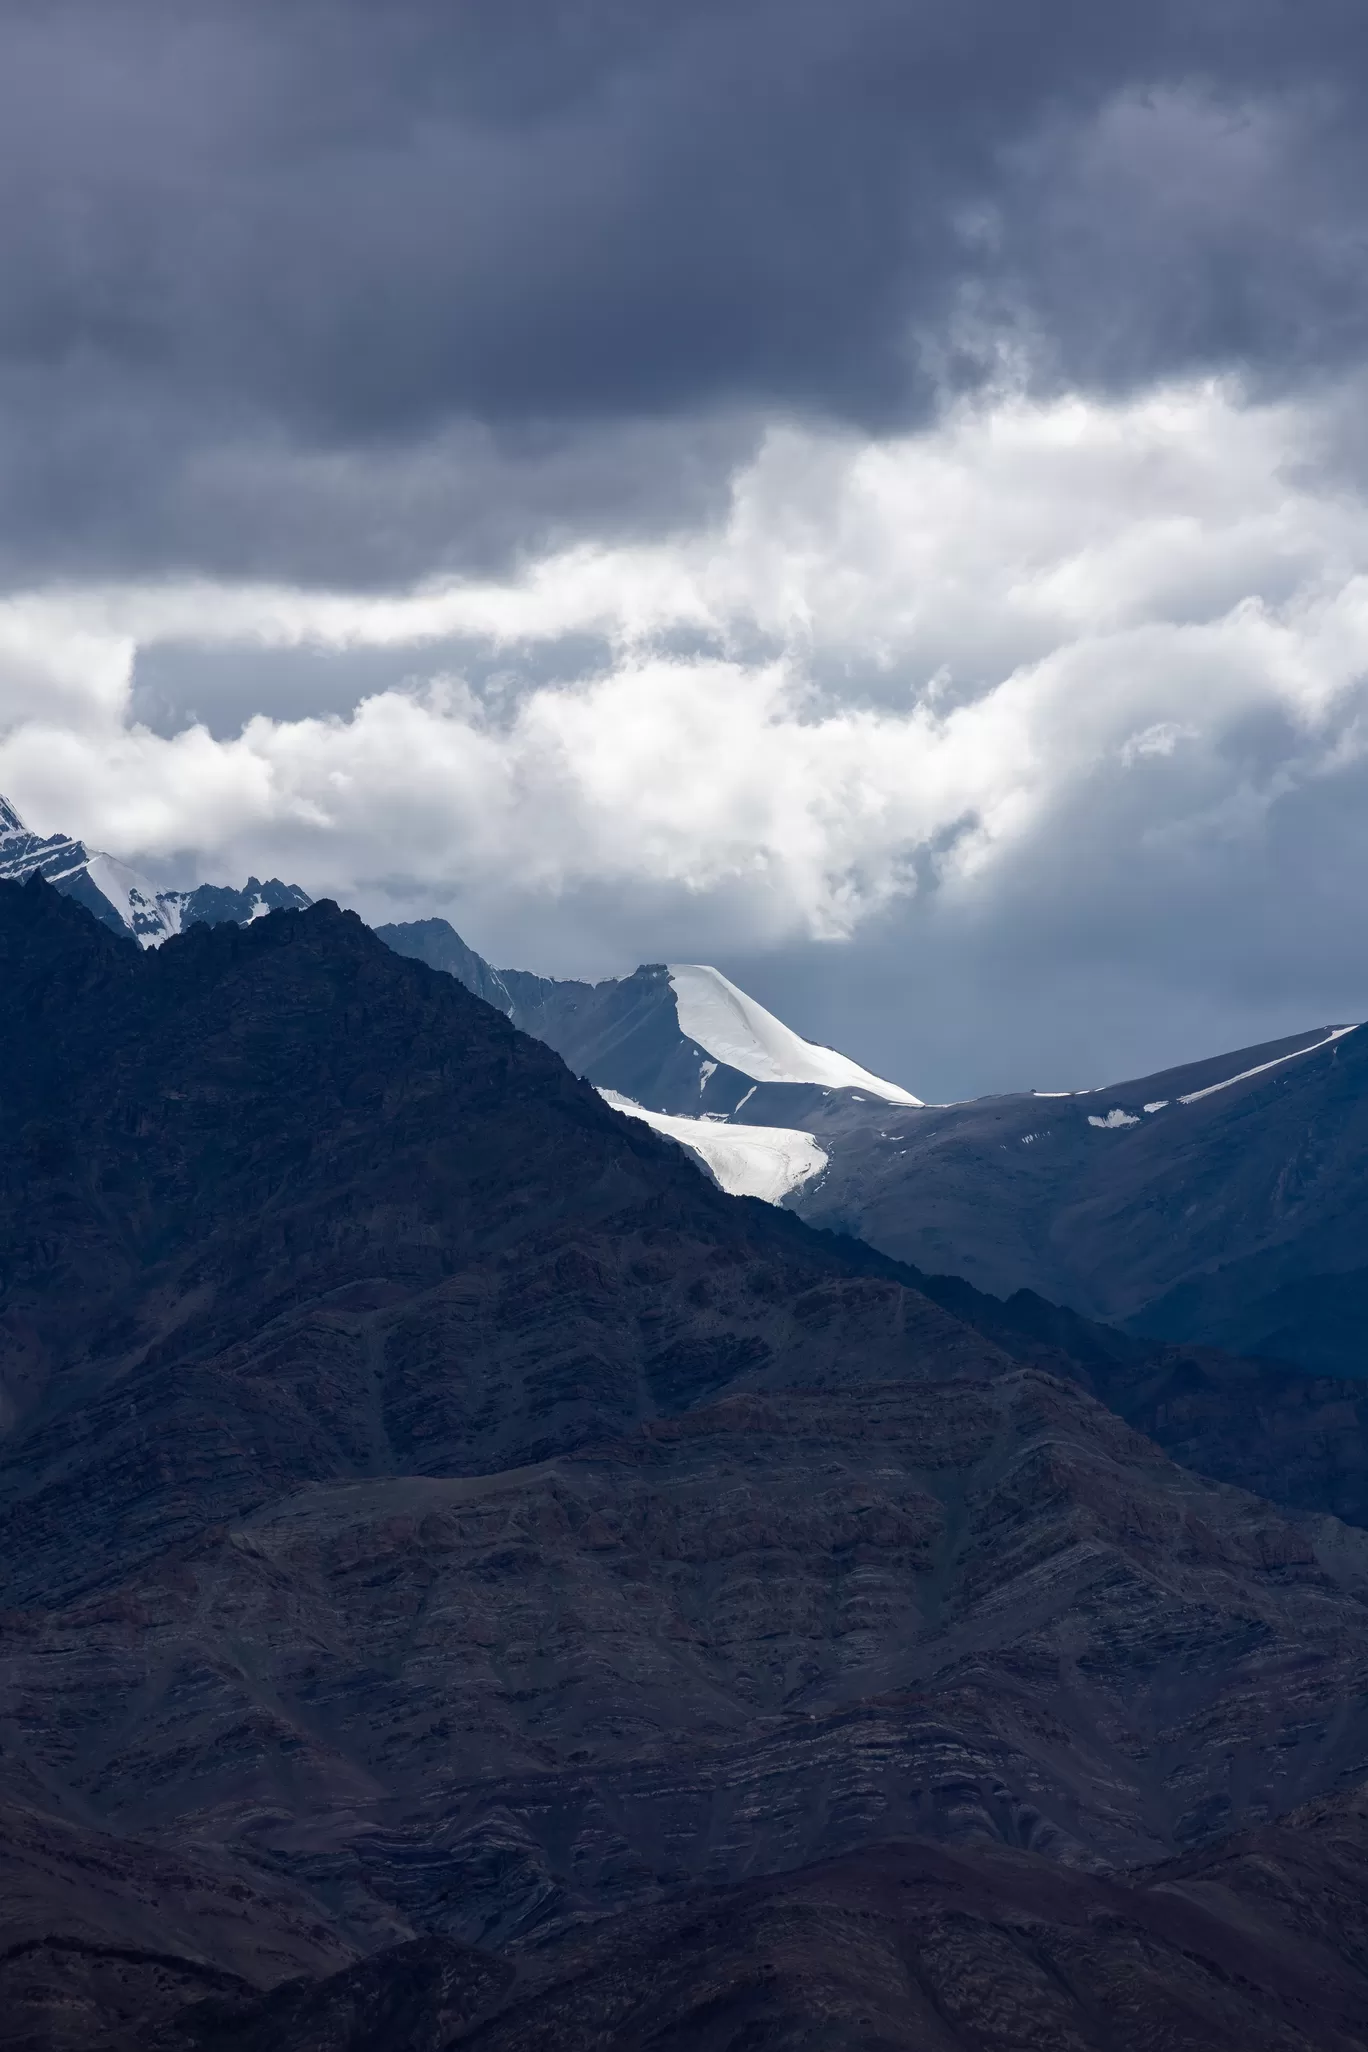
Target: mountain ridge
(123, 899)
(676, 1038)
(944, 1188)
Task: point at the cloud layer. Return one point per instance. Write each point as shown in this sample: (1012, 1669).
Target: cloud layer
(351, 294)
(922, 670)
(869, 493)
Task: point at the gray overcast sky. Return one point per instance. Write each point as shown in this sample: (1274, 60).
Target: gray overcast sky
(874, 494)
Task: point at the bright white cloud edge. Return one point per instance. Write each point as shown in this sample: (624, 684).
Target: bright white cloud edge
(958, 632)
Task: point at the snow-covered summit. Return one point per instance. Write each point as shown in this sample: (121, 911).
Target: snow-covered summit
(123, 898)
(677, 1038)
(732, 1028)
(22, 852)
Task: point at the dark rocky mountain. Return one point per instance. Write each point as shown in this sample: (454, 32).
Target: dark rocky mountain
(1266, 1426)
(122, 899)
(1225, 1203)
(901, 1948)
(436, 942)
(433, 1516)
(102, 1933)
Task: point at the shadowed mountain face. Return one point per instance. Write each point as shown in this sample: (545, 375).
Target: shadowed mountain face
(217, 1156)
(1267, 1426)
(1224, 1204)
(433, 1510)
(901, 1948)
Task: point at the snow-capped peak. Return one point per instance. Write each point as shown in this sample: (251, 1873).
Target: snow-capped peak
(734, 1029)
(24, 853)
(123, 898)
(150, 915)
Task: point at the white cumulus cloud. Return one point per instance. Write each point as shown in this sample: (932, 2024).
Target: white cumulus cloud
(892, 660)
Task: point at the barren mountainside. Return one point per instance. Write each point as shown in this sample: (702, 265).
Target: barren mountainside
(448, 1545)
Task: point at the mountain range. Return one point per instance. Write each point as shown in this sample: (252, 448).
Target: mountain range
(1220, 1203)
(1217, 1203)
(122, 898)
(466, 1579)
(1224, 1202)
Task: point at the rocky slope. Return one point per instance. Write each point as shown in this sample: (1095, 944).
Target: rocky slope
(431, 1509)
(1267, 1426)
(900, 1948)
(740, 1639)
(100, 1933)
(218, 1155)
(1221, 1204)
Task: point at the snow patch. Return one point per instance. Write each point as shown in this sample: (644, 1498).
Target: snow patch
(736, 1030)
(152, 916)
(1335, 1033)
(1114, 1120)
(748, 1161)
(1159, 1104)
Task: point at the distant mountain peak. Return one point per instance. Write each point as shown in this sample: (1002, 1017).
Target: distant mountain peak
(734, 1029)
(678, 1041)
(121, 897)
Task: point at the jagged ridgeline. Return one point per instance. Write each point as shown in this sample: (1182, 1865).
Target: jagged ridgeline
(123, 899)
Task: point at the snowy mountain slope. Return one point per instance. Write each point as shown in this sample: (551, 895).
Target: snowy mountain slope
(123, 899)
(676, 1038)
(748, 1161)
(22, 852)
(735, 1030)
(63, 861)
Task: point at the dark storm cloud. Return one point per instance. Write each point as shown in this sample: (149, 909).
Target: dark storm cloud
(1106, 950)
(176, 684)
(351, 291)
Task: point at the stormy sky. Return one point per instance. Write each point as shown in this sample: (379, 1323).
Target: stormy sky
(871, 494)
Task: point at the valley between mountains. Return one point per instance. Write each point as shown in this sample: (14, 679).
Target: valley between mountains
(466, 1579)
